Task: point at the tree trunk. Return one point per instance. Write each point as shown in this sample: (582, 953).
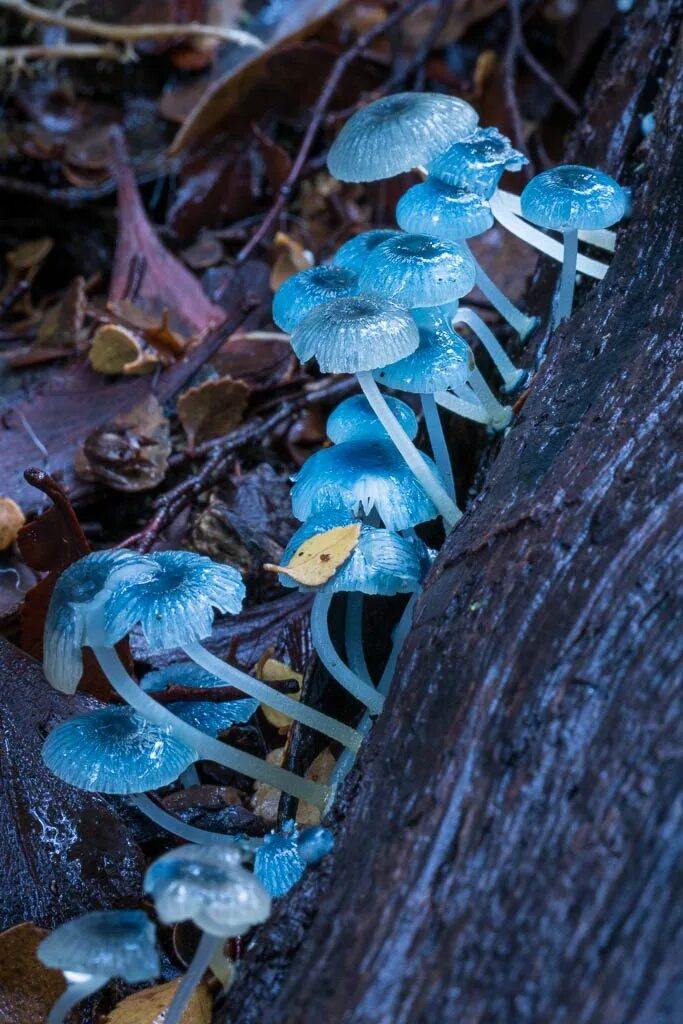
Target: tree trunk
(511, 835)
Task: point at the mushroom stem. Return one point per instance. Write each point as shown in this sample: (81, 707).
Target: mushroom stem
(533, 236)
(601, 238)
(497, 416)
(510, 373)
(205, 746)
(189, 832)
(74, 993)
(208, 946)
(438, 441)
(565, 298)
(353, 636)
(322, 641)
(519, 322)
(446, 507)
(330, 727)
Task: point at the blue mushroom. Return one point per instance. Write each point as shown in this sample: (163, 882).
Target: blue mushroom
(353, 254)
(94, 949)
(355, 420)
(299, 295)
(278, 863)
(477, 163)
(208, 716)
(210, 886)
(397, 133)
(315, 843)
(419, 270)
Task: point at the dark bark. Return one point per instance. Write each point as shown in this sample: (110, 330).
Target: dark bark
(511, 836)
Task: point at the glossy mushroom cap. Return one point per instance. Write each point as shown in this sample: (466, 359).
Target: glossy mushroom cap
(571, 197)
(176, 605)
(382, 563)
(354, 334)
(353, 254)
(397, 133)
(207, 716)
(419, 270)
(295, 299)
(208, 885)
(92, 578)
(478, 163)
(453, 214)
(355, 420)
(115, 750)
(442, 360)
(315, 843)
(106, 944)
(278, 865)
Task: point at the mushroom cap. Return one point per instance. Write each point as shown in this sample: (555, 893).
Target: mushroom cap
(354, 419)
(315, 843)
(175, 606)
(477, 163)
(397, 133)
(207, 716)
(115, 750)
(382, 562)
(354, 334)
(106, 944)
(208, 885)
(359, 476)
(434, 208)
(418, 270)
(573, 197)
(278, 865)
(301, 293)
(353, 254)
(76, 588)
(442, 360)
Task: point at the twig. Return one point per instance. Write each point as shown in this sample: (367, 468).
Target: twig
(126, 33)
(21, 55)
(211, 694)
(512, 52)
(317, 116)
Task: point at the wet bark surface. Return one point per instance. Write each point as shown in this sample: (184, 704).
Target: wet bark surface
(508, 845)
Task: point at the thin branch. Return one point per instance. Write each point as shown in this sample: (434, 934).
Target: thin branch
(126, 33)
(512, 52)
(20, 56)
(211, 694)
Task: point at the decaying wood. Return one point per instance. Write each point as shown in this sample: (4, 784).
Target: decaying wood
(511, 835)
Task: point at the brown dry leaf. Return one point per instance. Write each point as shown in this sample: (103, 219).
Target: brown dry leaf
(11, 521)
(149, 1005)
(266, 799)
(318, 558)
(484, 69)
(130, 454)
(23, 263)
(320, 771)
(291, 258)
(270, 670)
(212, 409)
(27, 988)
(115, 350)
(61, 324)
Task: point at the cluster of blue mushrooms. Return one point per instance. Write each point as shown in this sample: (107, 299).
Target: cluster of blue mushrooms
(386, 310)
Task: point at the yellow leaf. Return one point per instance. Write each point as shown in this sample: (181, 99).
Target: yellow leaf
(148, 1006)
(291, 258)
(116, 350)
(11, 521)
(318, 558)
(266, 799)
(272, 671)
(27, 988)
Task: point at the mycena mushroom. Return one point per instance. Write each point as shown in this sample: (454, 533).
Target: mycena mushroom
(301, 293)
(477, 163)
(568, 199)
(353, 254)
(355, 420)
(359, 335)
(283, 856)
(209, 886)
(398, 133)
(94, 949)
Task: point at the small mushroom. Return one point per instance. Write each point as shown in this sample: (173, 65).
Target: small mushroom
(93, 949)
(315, 843)
(354, 420)
(209, 886)
(212, 717)
(353, 254)
(399, 132)
(477, 163)
(301, 293)
(278, 863)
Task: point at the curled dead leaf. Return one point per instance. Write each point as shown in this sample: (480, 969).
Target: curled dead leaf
(130, 454)
(148, 1005)
(318, 558)
(11, 521)
(27, 988)
(116, 350)
(291, 258)
(212, 409)
(270, 670)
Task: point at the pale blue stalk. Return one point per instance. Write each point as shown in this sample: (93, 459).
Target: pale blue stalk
(184, 831)
(353, 636)
(519, 322)
(438, 441)
(75, 993)
(565, 298)
(327, 652)
(208, 946)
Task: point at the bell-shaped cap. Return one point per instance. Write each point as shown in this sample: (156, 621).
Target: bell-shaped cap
(207, 716)
(573, 197)
(397, 133)
(419, 270)
(100, 573)
(207, 884)
(453, 214)
(315, 843)
(115, 750)
(354, 419)
(353, 254)
(104, 944)
(354, 334)
(278, 864)
(301, 293)
(477, 163)
(382, 562)
(176, 605)
(442, 360)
